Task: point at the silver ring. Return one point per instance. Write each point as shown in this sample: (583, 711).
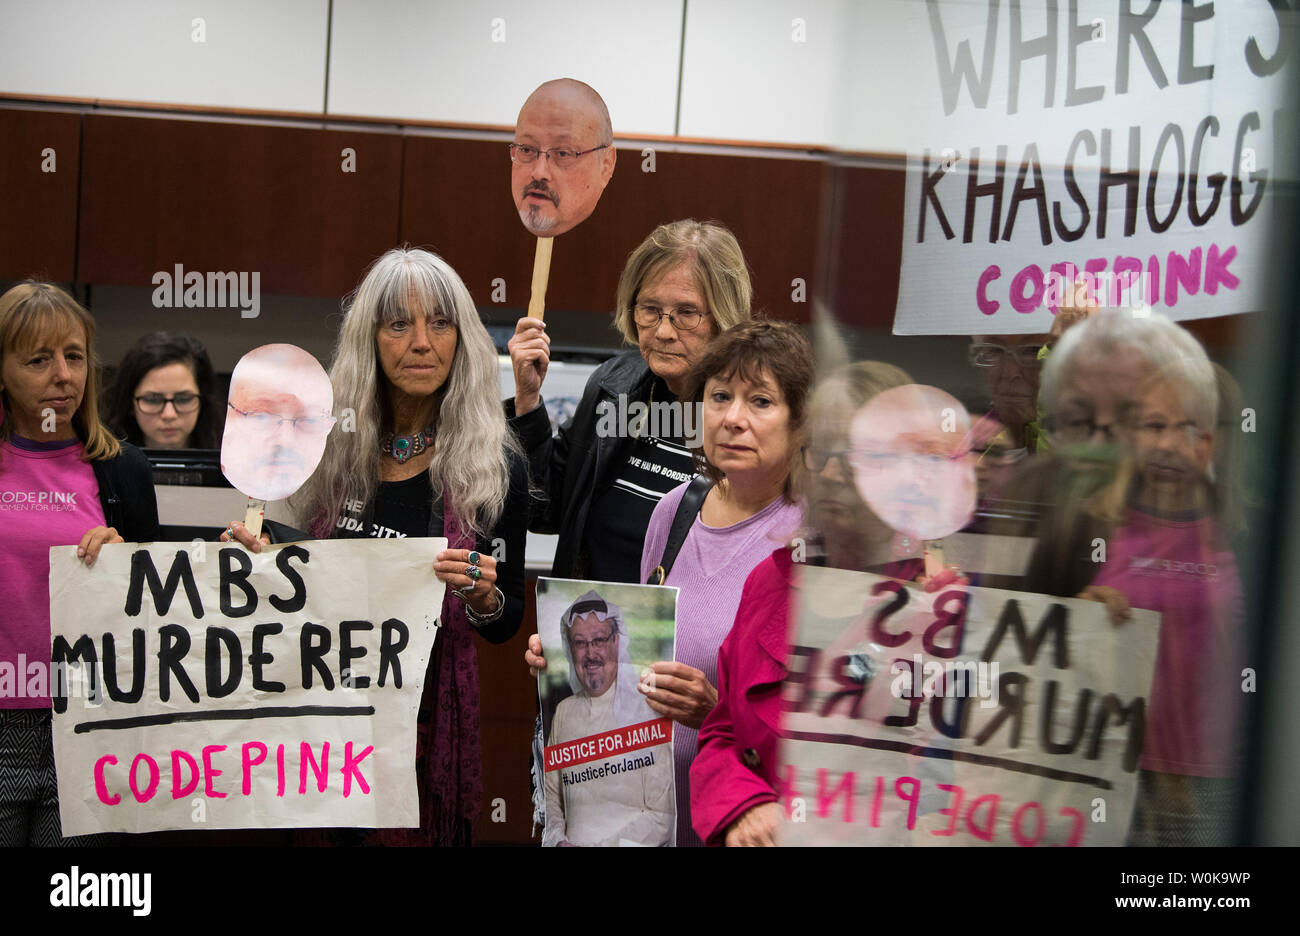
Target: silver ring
(230, 531)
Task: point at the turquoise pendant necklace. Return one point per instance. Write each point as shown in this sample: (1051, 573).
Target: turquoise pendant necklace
(404, 447)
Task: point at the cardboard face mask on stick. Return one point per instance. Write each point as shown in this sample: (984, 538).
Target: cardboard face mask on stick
(912, 460)
(561, 160)
(277, 421)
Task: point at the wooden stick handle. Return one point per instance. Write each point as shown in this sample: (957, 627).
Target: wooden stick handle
(541, 276)
(933, 557)
(253, 516)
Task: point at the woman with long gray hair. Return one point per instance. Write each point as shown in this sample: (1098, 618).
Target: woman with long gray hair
(429, 455)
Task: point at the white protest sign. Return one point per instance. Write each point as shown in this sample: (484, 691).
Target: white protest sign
(222, 689)
(971, 716)
(1136, 151)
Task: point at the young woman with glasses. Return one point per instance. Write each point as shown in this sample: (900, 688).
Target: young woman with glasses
(163, 396)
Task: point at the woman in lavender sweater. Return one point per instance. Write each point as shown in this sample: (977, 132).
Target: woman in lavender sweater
(752, 385)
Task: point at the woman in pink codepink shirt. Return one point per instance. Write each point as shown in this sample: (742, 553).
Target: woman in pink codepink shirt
(64, 480)
(1132, 404)
(1168, 554)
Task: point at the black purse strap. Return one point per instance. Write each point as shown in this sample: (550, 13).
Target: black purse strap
(687, 511)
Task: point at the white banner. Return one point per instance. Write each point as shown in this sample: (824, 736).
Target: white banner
(208, 687)
(967, 717)
(1135, 151)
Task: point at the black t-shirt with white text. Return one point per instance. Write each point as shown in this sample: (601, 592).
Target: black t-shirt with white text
(619, 515)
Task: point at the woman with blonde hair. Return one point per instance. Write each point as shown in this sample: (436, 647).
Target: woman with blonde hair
(684, 284)
(431, 455)
(52, 444)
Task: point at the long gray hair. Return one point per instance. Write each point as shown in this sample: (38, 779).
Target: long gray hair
(469, 461)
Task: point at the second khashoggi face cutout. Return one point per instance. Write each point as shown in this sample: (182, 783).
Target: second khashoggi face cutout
(912, 463)
(562, 157)
(277, 420)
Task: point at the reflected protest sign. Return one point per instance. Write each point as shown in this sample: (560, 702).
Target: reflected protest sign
(1135, 149)
(971, 716)
(608, 756)
(210, 687)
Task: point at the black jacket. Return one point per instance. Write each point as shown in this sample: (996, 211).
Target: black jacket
(126, 493)
(572, 469)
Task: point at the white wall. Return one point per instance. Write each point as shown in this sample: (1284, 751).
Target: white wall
(253, 54)
(764, 70)
(458, 62)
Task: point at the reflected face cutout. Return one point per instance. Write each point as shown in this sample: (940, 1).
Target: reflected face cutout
(277, 420)
(559, 165)
(910, 451)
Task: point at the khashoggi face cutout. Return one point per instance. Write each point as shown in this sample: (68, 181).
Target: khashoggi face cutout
(277, 420)
(910, 449)
(562, 156)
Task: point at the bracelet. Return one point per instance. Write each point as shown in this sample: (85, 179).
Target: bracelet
(478, 620)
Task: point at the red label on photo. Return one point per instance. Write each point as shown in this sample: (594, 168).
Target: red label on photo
(608, 744)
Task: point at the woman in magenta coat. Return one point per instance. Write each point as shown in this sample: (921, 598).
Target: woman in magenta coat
(733, 777)
(735, 789)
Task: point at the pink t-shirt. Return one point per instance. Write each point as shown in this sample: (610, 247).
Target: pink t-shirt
(48, 497)
(1194, 710)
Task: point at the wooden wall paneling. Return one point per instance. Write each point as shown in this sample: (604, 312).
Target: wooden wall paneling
(771, 205)
(220, 196)
(456, 202)
(39, 234)
(865, 247)
(507, 708)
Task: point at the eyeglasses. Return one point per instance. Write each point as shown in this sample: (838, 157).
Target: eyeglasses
(1080, 428)
(561, 157)
(154, 403)
(989, 354)
(596, 643)
(270, 422)
(868, 463)
(1155, 429)
(682, 319)
(816, 459)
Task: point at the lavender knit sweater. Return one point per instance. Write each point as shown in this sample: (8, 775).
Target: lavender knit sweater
(709, 572)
